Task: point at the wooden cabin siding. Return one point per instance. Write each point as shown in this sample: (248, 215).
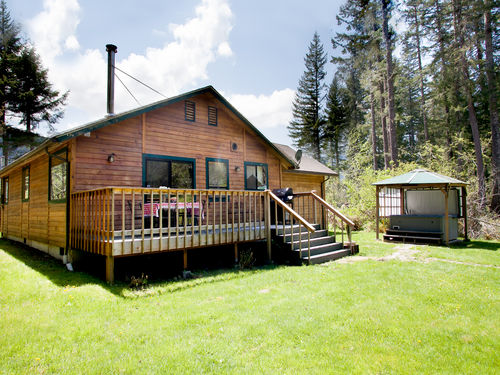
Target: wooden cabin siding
(91, 167)
(165, 131)
(42, 224)
(301, 183)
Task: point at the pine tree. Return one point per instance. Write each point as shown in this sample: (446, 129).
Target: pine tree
(306, 127)
(335, 121)
(10, 45)
(35, 99)
(25, 91)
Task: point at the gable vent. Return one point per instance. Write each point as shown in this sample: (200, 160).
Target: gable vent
(189, 110)
(212, 116)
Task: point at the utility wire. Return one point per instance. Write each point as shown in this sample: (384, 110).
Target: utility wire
(126, 88)
(142, 83)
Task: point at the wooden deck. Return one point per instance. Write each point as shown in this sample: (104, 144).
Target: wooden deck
(118, 222)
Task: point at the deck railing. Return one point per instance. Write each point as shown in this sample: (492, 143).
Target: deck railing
(316, 210)
(289, 219)
(121, 221)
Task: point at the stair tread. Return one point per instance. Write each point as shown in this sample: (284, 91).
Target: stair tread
(320, 247)
(329, 253)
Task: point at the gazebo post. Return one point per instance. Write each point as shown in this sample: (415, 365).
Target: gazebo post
(446, 219)
(377, 205)
(464, 211)
(402, 201)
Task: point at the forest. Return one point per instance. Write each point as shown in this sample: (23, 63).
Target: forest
(415, 86)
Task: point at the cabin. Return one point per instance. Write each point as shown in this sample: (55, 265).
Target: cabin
(183, 173)
(422, 206)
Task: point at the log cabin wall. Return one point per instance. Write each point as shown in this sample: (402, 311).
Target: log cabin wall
(301, 183)
(166, 132)
(37, 222)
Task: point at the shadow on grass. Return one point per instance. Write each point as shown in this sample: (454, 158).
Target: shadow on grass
(91, 272)
(480, 245)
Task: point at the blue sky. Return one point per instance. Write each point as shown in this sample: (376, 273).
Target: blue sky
(250, 51)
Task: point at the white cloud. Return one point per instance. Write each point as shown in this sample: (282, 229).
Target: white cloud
(53, 29)
(266, 111)
(181, 62)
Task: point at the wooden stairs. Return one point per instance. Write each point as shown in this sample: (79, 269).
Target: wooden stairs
(324, 247)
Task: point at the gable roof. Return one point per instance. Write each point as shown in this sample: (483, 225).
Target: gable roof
(113, 119)
(420, 177)
(307, 164)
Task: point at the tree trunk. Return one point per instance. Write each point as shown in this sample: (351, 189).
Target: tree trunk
(421, 73)
(374, 134)
(390, 82)
(459, 40)
(383, 119)
(493, 109)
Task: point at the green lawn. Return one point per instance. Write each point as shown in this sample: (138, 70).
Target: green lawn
(388, 317)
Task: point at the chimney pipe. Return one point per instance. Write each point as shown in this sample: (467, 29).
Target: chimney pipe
(111, 49)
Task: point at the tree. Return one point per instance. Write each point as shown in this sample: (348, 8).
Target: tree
(35, 99)
(25, 91)
(387, 35)
(307, 124)
(10, 45)
(493, 109)
(335, 121)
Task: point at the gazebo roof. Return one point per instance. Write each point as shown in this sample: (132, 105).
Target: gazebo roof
(420, 177)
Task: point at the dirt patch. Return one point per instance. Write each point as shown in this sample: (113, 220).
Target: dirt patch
(404, 253)
(408, 253)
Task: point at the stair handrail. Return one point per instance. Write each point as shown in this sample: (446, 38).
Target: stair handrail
(332, 209)
(295, 214)
(300, 219)
(349, 222)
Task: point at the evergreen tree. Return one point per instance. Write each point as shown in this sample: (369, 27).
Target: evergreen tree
(335, 122)
(35, 99)
(25, 91)
(10, 45)
(307, 125)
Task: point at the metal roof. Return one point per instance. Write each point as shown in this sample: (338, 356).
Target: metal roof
(307, 164)
(420, 177)
(113, 119)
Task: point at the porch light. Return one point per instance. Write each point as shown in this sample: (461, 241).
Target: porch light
(111, 158)
(237, 168)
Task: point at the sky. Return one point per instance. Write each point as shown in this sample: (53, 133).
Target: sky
(252, 52)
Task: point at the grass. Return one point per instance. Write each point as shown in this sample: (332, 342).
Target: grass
(375, 317)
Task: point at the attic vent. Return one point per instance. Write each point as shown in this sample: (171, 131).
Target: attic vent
(212, 116)
(189, 111)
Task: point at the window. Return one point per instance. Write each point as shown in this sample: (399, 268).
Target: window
(212, 116)
(255, 176)
(5, 190)
(217, 173)
(58, 176)
(25, 183)
(168, 171)
(189, 110)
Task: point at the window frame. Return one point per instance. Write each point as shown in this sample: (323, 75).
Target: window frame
(25, 172)
(255, 164)
(56, 155)
(146, 157)
(5, 197)
(216, 160)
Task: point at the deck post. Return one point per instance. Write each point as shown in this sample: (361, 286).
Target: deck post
(267, 219)
(185, 259)
(110, 269)
(236, 253)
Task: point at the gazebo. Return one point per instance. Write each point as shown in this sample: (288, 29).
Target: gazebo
(421, 206)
